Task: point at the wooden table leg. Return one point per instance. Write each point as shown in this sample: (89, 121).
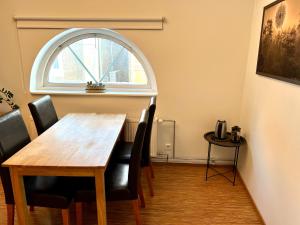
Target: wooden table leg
(100, 196)
(19, 195)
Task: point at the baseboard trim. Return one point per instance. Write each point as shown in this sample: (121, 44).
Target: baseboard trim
(252, 199)
(192, 161)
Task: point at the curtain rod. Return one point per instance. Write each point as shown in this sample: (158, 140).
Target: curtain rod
(30, 18)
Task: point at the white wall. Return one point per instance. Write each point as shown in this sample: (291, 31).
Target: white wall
(199, 60)
(270, 119)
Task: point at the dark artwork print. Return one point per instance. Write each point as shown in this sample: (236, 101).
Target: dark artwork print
(279, 50)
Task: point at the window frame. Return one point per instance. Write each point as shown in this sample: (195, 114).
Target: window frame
(39, 83)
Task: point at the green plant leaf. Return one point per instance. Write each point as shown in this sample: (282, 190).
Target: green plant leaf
(7, 96)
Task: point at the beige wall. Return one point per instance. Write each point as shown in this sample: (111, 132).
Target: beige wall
(199, 60)
(270, 117)
(10, 68)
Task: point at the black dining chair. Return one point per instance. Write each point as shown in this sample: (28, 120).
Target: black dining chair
(43, 113)
(50, 192)
(123, 152)
(122, 181)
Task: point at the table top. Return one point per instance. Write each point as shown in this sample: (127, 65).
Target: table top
(77, 140)
(210, 137)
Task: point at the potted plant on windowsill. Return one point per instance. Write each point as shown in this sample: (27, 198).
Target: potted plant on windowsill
(6, 96)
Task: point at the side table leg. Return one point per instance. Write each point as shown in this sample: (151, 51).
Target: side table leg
(235, 164)
(208, 160)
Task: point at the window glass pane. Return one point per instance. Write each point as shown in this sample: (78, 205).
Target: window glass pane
(97, 60)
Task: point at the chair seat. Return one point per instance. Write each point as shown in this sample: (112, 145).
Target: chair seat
(116, 185)
(51, 192)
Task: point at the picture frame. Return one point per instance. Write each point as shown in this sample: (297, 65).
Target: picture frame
(279, 48)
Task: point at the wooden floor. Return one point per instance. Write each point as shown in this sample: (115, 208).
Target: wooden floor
(182, 197)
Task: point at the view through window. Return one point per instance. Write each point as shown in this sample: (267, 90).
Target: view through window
(95, 59)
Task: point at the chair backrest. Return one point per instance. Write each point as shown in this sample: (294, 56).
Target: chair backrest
(43, 113)
(13, 137)
(147, 139)
(136, 154)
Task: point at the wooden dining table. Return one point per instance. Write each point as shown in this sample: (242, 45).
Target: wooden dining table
(77, 145)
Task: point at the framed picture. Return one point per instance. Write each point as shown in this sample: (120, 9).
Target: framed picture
(279, 49)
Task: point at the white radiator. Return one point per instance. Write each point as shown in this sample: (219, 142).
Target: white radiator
(130, 130)
(166, 138)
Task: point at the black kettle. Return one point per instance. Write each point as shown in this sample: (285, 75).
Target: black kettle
(221, 129)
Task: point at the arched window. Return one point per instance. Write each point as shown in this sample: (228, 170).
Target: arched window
(76, 56)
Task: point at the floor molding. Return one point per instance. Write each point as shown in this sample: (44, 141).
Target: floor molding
(192, 161)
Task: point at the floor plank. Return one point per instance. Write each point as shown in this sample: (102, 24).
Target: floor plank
(182, 197)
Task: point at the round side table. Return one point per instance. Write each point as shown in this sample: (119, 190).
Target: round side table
(227, 143)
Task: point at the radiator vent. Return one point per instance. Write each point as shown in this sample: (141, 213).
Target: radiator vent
(130, 130)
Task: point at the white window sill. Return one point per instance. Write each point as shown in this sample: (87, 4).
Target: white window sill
(106, 93)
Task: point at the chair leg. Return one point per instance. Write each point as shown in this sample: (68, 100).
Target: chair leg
(151, 170)
(148, 176)
(141, 195)
(136, 210)
(10, 214)
(78, 209)
(65, 216)
(31, 208)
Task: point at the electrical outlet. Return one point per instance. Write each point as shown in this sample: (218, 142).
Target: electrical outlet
(168, 145)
